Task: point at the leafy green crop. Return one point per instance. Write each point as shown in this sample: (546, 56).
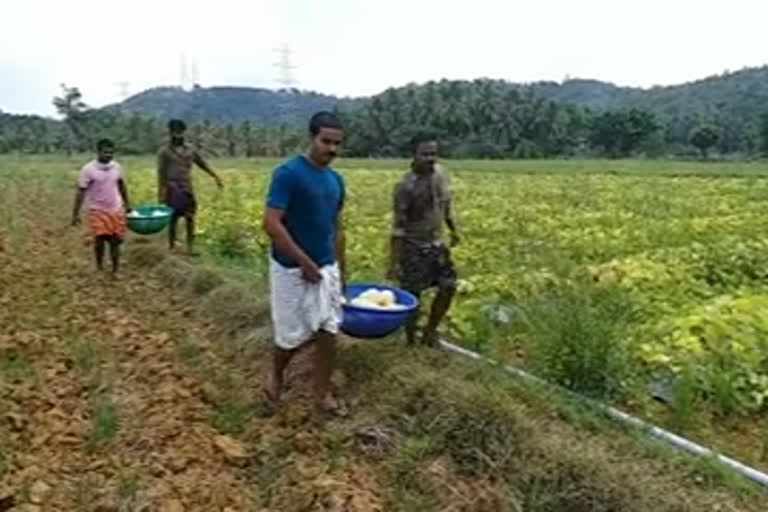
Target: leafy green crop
(689, 256)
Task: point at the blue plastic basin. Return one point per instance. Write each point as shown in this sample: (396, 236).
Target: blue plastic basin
(371, 323)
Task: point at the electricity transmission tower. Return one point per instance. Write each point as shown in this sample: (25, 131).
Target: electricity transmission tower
(194, 73)
(285, 67)
(188, 75)
(123, 87)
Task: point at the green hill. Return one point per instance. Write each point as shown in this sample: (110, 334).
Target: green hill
(741, 93)
(482, 118)
(227, 104)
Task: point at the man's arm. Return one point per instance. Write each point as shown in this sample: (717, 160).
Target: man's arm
(399, 207)
(448, 209)
(79, 196)
(278, 199)
(201, 163)
(273, 225)
(83, 182)
(341, 249)
(162, 176)
(124, 194)
(395, 246)
(450, 223)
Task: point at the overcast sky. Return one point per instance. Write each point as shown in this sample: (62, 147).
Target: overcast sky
(349, 47)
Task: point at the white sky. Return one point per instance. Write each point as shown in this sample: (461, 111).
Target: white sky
(349, 47)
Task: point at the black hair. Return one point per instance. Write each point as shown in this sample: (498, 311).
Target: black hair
(421, 138)
(177, 125)
(105, 143)
(324, 119)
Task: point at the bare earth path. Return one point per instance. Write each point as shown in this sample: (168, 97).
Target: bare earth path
(99, 409)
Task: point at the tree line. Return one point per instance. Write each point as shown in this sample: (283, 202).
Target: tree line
(135, 134)
(474, 119)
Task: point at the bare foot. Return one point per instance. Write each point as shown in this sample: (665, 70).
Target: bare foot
(333, 406)
(270, 402)
(430, 339)
(273, 389)
(411, 336)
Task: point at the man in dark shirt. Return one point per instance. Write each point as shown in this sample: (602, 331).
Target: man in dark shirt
(419, 258)
(174, 181)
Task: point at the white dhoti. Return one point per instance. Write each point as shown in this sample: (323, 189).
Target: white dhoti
(300, 308)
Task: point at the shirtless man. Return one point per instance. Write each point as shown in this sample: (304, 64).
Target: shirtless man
(174, 181)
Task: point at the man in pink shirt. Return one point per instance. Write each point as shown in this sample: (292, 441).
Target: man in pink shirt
(101, 186)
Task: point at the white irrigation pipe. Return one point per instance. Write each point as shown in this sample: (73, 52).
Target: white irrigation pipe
(627, 419)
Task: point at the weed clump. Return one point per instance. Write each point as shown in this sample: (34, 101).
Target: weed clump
(175, 272)
(479, 438)
(234, 306)
(146, 256)
(203, 280)
(574, 335)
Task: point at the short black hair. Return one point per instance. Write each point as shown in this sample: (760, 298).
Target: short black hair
(105, 143)
(421, 138)
(177, 125)
(324, 119)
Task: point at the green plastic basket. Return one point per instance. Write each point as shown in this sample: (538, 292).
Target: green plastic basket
(148, 222)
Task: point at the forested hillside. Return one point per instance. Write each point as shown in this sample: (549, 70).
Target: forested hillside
(733, 102)
(723, 115)
(227, 104)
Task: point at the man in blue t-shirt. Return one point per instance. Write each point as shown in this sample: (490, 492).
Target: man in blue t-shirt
(303, 220)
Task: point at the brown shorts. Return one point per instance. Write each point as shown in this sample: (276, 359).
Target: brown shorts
(423, 266)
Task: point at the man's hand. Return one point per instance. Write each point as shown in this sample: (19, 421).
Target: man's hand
(76, 221)
(219, 183)
(455, 239)
(311, 273)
